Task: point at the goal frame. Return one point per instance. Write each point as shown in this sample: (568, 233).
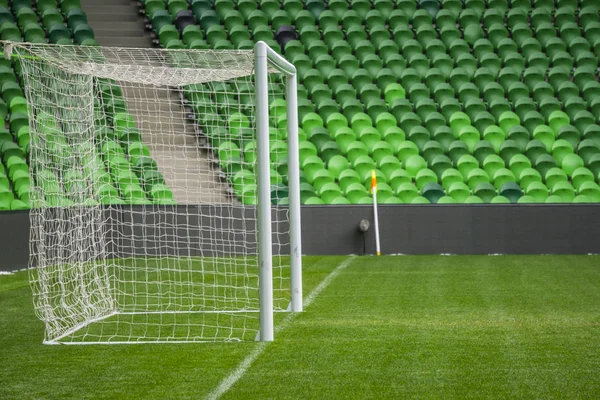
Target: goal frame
(263, 57)
(266, 60)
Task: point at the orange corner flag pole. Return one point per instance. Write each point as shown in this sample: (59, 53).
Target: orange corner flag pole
(375, 216)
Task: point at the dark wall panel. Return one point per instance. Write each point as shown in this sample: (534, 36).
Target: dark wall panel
(455, 229)
(14, 240)
(405, 229)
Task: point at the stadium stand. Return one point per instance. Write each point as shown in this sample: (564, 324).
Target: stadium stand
(450, 101)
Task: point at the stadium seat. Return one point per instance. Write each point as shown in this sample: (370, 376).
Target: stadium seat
(591, 190)
(564, 190)
(511, 191)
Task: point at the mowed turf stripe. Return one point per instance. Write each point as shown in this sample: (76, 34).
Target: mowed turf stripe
(441, 327)
(241, 369)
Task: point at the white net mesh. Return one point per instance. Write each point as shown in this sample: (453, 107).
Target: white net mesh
(143, 227)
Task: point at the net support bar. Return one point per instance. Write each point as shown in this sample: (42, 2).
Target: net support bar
(264, 56)
(294, 195)
(293, 174)
(265, 256)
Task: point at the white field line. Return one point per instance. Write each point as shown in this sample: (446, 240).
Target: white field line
(228, 382)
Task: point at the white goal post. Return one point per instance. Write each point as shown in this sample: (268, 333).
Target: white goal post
(165, 192)
(264, 57)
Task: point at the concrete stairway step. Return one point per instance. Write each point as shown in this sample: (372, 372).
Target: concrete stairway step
(192, 179)
(113, 18)
(117, 23)
(168, 141)
(107, 9)
(133, 42)
(124, 31)
(139, 100)
(87, 3)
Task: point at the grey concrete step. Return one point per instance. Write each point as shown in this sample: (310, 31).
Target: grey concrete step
(163, 108)
(108, 9)
(117, 23)
(134, 42)
(118, 32)
(87, 3)
(192, 178)
(113, 18)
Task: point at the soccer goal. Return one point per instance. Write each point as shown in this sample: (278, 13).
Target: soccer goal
(164, 190)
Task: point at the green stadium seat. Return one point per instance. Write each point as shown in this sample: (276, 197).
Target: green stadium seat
(503, 176)
(398, 177)
(538, 191)
(388, 165)
(75, 17)
(17, 204)
(34, 33)
(450, 176)
(465, 164)
(570, 134)
(511, 191)
(313, 201)
(526, 200)
(446, 200)
(553, 176)
(329, 192)
(475, 177)
(459, 192)
(355, 150)
(425, 176)
(83, 33)
(433, 192)
(348, 177)
(363, 165)
(355, 192)
(384, 192)
(570, 163)
(544, 163)
(6, 198)
(473, 200)
(564, 190)
(485, 191)
(545, 135)
(337, 164)
(591, 190)
(406, 192)
(529, 175)
(414, 164)
(580, 176)
(26, 16)
(385, 7)
(500, 200)
(560, 149)
(439, 164)
(366, 200)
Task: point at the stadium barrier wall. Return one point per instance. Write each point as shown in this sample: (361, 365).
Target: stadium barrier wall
(333, 230)
(14, 240)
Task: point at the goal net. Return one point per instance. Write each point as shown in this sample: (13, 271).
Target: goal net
(165, 192)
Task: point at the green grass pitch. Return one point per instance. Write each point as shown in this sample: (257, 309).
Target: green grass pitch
(385, 328)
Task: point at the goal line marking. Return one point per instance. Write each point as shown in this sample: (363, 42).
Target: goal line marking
(228, 382)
